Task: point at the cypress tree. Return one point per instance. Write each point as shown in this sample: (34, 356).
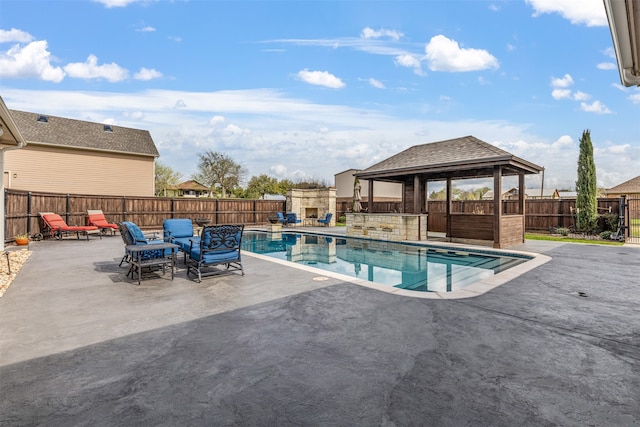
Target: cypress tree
(586, 186)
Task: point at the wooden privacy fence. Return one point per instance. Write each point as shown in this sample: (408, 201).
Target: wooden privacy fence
(540, 215)
(22, 210)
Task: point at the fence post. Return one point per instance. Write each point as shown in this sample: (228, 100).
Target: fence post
(68, 197)
(28, 213)
(622, 214)
(124, 208)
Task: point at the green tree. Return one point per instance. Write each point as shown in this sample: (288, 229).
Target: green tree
(219, 172)
(165, 178)
(260, 185)
(586, 187)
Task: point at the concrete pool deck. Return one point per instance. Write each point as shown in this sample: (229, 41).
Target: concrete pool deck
(80, 344)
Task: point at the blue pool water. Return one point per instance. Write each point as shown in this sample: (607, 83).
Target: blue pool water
(406, 266)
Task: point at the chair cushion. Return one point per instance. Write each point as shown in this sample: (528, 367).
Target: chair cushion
(136, 233)
(177, 227)
(185, 242)
(215, 257)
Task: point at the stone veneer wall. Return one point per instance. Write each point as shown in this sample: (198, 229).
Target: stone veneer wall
(385, 226)
(323, 200)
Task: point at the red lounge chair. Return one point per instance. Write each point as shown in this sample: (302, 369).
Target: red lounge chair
(96, 217)
(57, 227)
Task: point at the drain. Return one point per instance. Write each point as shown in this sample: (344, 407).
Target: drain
(582, 294)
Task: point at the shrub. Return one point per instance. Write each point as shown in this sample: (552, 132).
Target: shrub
(606, 235)
(342, 218)
(610, 221)
(562, 231)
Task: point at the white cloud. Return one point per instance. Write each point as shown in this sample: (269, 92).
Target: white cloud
(32, 60)
(376, 83)
(610, 52)
(321, 78)
(595, 107)
(561, 93)
(216, 120)
(14, 35)
(606, 66)
(147, 74)
(91, 70)
(409, 61)
(565, 81)
(587, 12)
(115, 3)
(634, 98)
(444, 54)
(147, 29)
(369, 33)
(581, 96)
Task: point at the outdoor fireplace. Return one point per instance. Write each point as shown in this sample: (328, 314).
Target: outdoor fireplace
(311, 212)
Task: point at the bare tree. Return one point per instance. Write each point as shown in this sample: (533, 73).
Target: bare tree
(219, 172)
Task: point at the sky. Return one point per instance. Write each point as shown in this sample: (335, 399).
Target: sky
(304, 90)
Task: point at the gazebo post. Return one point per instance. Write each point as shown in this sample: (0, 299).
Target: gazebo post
(449, 208)
(417, 195)
(521, 197)
(497, 205)
(370, 197)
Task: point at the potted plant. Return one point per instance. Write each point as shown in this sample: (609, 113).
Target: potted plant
(22, 239)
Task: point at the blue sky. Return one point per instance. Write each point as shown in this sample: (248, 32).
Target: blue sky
(308, 89)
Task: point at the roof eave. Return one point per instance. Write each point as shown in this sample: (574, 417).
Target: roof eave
(624, 20)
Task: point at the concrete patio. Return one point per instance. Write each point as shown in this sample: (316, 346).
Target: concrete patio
(81, 345)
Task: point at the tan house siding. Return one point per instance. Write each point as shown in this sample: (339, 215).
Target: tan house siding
(75, 171)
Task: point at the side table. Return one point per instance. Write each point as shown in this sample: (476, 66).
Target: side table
(137, 261)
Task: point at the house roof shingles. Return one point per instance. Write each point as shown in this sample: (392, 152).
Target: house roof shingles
(460, 157)
(631, 186)
(63, 132)
(189, 185)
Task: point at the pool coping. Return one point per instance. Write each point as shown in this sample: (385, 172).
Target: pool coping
(481, 287)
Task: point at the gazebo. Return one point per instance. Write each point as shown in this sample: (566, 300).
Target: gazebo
(460, 158)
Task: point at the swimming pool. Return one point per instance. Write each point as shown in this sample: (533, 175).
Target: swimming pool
(405, 266)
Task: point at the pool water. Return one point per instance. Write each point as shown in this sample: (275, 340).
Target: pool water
(413, 267)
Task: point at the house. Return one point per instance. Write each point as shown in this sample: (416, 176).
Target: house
(630, 188)
(189, 188)
(11, 139)
(383, 191)
(80, 157)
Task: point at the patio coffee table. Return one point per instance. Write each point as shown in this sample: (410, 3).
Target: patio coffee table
(137, 262)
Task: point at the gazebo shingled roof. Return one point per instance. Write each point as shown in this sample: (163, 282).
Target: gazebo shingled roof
(465, 157)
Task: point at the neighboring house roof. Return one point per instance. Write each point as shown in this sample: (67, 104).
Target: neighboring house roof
(189, 185)
(71, 133)
(631, 186)
(568, 194)
(547, 193)
(273, 197)
(460, 157)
